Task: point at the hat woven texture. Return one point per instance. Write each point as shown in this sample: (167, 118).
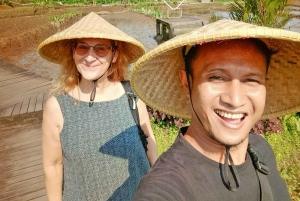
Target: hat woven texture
(155, 76)
(55, 48)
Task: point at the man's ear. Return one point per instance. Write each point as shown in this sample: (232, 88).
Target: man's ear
(182, 74)
(115, 56)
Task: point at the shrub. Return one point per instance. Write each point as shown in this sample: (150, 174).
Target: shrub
(268, 126)
(286, 146)
(166, 121)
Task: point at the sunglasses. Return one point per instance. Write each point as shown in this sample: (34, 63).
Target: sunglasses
(101, 50)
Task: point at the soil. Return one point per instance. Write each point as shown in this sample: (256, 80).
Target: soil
(22, 29)
(21, 35)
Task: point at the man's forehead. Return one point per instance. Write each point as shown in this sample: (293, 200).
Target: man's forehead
(239, 54)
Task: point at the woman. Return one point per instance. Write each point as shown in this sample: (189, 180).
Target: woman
(91, 146)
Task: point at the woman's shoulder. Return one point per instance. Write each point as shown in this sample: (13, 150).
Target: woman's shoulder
(52, 104)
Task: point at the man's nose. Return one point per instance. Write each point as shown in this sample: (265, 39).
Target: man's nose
(234, 94)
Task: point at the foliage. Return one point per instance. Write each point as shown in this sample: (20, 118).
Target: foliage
(286, 146)
(166, 121)
(214, 18)
(164, 139)
(43, 3)
(64, 16)
(149, 8)
(7, 2)
(270, 13)
(268, 126)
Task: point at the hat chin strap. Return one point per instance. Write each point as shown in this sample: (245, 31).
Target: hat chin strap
(93, 94)
(225, 168)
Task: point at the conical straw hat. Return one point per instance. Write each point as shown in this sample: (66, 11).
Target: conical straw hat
(91, 26)
(155, 76)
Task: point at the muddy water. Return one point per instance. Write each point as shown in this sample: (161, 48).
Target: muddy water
(139, 26)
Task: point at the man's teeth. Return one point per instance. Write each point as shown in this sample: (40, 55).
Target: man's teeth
(229, 115)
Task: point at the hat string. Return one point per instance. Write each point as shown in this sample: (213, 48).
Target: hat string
(225, 170)
(93, 94)
(190, 93)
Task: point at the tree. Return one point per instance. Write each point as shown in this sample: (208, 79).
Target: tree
(270, 13)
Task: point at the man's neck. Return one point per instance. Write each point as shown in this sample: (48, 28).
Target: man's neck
(203, 143)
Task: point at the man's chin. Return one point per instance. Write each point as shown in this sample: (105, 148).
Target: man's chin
(228, 142)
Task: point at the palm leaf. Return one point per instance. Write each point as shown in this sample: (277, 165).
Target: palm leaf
(271, 13)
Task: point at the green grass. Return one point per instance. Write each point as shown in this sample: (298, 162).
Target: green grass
(151, 12)
(164, 138)
(64, 16)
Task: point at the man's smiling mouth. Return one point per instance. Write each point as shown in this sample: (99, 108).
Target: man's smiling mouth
(227, 115)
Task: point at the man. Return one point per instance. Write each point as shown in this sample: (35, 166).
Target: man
(227, 71)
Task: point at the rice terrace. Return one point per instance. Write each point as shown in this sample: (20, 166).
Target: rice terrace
(25, 79)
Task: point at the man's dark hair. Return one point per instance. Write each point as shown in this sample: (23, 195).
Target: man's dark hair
(192, 54)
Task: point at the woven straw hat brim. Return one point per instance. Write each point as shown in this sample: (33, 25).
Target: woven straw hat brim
(55, 48)
(155, 76)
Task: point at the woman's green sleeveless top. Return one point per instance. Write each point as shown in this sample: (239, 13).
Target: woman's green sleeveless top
(103, 156)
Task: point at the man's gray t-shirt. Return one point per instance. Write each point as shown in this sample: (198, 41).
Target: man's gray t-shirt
(184, 174)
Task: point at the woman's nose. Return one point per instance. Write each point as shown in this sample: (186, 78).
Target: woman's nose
(234, 94)
(91, 55)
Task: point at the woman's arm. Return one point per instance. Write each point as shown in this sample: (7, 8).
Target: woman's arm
(52, 150)
(146, 127)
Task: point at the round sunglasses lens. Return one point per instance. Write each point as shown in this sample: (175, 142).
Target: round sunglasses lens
(101, 50)
(82, 49)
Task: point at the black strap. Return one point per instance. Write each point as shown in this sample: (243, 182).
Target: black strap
(261, 171)
(132, 99)
(234, 172)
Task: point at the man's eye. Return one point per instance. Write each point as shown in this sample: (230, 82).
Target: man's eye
(216, 77)
(252, 80)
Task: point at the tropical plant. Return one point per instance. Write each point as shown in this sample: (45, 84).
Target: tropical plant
(270, 13)
(214, 18)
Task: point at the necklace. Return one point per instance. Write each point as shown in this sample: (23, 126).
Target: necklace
(76, 102)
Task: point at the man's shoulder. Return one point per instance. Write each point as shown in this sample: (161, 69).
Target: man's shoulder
(171, 155)
(167, 178)
(258, 141)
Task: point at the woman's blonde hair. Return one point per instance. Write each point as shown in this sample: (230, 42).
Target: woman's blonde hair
(69, 76)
